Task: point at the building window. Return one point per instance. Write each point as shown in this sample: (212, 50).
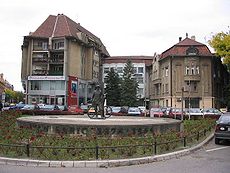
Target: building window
(106, 69)
(187, 70)
(140, 80)
(119, 70)
(197, 70)
(193, 70)
(140, 91)
(166, 71)
(134, 69)
(166, 88)
(140, 70)
(40, 44)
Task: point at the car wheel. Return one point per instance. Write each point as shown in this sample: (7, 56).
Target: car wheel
(217, 141)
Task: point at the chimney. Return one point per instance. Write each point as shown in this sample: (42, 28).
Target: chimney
(186, 35)
(180, 38)
(193, 37)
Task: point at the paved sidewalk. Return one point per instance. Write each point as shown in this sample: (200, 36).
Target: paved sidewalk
(103, 163)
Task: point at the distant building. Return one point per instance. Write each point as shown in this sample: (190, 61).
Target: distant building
(61, 62)
(188, 68)
(4, 84)
(142, 68)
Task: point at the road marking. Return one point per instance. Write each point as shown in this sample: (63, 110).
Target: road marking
(220, 148)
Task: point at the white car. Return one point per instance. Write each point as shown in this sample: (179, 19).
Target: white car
(134, 111)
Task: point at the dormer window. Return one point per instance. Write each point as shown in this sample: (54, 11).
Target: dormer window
(192, 51)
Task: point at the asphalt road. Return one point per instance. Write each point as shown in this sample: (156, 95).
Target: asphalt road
(210, 159)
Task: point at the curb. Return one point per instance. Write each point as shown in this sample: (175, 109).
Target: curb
(103, 163)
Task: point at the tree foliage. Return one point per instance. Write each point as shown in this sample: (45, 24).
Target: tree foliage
(113, 88)
(13, 96)
(129, 86)
(221, 44)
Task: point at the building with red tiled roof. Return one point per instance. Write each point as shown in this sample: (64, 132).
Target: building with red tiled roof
(142, 68)
(60, 61)
(188, 68)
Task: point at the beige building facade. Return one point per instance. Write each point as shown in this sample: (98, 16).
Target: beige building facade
(186, 74)
(61, 62)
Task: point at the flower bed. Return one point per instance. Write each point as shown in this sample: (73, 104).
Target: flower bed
(27, 142)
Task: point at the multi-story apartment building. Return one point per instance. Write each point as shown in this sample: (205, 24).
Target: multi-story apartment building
(61, 62)
(142, 68)
(188, 72)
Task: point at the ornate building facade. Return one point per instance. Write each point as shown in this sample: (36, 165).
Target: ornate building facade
(188, 72)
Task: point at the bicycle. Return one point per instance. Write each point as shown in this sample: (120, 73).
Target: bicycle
(93, 113)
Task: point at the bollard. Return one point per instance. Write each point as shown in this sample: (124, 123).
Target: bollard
(28, 150)
(97, 151)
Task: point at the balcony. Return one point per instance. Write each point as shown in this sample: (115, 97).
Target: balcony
(40, 59)
(55, 73)
(192, 78)
(56, 61)
(39, 72)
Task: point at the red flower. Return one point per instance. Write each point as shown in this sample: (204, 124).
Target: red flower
(32, 138)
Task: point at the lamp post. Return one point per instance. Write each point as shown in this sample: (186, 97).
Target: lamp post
(182, 103)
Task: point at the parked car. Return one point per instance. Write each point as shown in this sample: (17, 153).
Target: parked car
(194, 113)
(156, 112)
(30, 107)
(62, 107)
(222, 131)
(76, 109)
(166, 111)
(176, 113)
(212, 112)
(17, 106)
(134, 111)
(119, 111)
(84, 108)
(144, 111)
(49, 108)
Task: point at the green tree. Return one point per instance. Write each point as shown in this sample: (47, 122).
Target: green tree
(13, 96)
(113, 88)
(129, 86)
(221, 44)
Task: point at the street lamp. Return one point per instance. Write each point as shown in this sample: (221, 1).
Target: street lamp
(182, 103)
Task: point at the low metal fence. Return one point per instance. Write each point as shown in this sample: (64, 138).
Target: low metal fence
(101, 152)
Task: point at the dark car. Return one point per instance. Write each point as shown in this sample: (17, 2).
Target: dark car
(222, 131)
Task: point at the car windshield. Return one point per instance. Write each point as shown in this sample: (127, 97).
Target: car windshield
(195, 110)
(48, 106)
(156, 110)
(84, 106)
(134, 110)
(116, 109)
(225, 119)
(29, 106)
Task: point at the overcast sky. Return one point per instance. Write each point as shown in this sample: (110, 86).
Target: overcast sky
(126, 27)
